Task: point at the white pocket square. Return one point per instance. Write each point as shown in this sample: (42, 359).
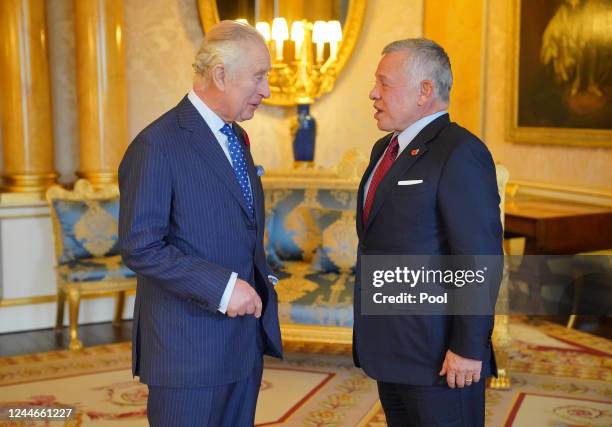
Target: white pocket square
(410, 182)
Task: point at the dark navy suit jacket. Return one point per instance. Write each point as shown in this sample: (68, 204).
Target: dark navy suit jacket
(455, 211)
(184, 228)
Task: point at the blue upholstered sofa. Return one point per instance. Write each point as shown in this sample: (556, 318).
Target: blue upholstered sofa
(311, 243)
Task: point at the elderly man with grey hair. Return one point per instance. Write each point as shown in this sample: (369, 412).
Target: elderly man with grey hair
(191, 226)
(430, 189)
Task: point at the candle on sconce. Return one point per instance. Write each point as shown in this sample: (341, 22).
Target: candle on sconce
(264, 30)
(280, 33)
(297, 36)
(334, 33)
(319, 37)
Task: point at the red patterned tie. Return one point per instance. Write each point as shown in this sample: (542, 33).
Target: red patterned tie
(382, 169)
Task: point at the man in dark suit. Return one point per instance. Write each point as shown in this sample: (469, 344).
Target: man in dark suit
(430, 189)
(191, 227)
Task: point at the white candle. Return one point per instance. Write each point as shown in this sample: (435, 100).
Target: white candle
(334, 34)
(333, 50)
(320, 47)
(264, 30)
(319, 37)
(280, 33)
(279, 49)
(297, 36)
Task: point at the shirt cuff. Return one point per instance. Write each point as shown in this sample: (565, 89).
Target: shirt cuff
(273, 279)
(227, 294)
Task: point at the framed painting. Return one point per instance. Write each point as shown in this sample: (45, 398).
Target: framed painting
(560, 79)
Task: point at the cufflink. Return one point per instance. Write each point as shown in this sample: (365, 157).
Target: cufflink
(260, 170)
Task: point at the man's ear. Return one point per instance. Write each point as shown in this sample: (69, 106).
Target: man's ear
(426, 91)
(219, 76)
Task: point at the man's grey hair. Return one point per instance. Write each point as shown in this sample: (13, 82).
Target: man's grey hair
(426, 60)
(224, 44)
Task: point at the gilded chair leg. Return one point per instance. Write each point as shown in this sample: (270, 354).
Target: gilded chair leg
(61, 303)
(74, 298)
(502, 342)
(119, 306)
(578, 285)
(502, 382)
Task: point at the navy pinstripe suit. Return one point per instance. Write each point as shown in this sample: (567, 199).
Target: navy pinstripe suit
(184, 228)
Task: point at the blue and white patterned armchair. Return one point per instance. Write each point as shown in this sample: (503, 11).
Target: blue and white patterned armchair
(85, 223)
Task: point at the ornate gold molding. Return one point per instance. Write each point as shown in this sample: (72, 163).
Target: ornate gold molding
(44, 299)
(24, 216)
(83, 190)
(346, 175)
(20, 200)
(14, 302)
(568, 193)
(314, 338)
(99, 180)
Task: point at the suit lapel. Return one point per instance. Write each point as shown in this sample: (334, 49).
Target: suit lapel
(415, 150)
(203, 141)
(378, 151)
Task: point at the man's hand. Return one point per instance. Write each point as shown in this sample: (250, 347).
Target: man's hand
(244, 300)
(460, 371)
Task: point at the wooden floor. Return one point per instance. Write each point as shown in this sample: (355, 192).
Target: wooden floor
(104, 333)
(47, 340)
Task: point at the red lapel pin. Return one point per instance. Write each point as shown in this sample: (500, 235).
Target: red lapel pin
(414, 152)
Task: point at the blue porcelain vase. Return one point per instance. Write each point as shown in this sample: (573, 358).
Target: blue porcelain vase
(304, 140)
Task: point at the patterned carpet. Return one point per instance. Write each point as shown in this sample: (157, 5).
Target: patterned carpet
(560, 378)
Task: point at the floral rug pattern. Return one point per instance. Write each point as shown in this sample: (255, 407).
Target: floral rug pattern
(559, 378)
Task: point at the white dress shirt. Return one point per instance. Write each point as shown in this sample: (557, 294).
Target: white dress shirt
(404, 138)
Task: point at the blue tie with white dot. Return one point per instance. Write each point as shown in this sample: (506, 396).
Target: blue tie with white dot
(239, 165)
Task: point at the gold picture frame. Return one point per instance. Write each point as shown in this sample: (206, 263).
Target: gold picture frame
(516, 88)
